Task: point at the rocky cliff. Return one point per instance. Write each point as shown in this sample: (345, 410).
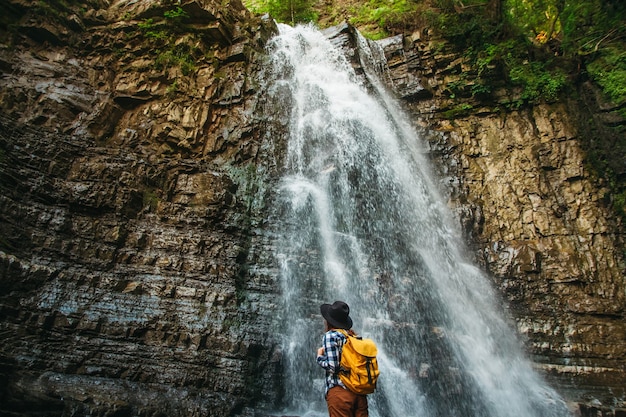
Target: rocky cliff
(137, 165)
(536, 215)
(136, 270)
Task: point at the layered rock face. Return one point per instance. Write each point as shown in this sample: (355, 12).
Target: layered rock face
(534, 214)
(138, 165)
(136, 274)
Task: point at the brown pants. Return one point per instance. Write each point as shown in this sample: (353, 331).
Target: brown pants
(344, 403)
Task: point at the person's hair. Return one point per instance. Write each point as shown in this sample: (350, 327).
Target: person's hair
(327, 326)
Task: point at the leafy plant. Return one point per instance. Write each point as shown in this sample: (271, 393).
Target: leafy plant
(177, 14)
(178, 55)
(593, 31)
(169, 52)
(537, 81)
(175, 19)
(292, 11)
(609, 71)
(380, 18)
(149, 29)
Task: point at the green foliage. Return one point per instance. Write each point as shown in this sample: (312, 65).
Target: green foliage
(457, 87)
(592, 30)
(257, 6)
(458, 111)
(489, 55)
(146, 25)
(376, 34)
(151, 30)
(174, 20)
(506, 46)
(537, 81)
(532, 18)
(480, 89)
(291, 11)
(377, 18)
(470, 28)
(609, 71)
(381, 12)
(619, 204)
(176, 15)
(170, 53)
(591, 24)
(150, 199)
(172, 89)
(176, 56)
(532, 43)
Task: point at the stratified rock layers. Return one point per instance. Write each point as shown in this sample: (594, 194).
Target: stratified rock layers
(137, 168)
(534, 214)
(136, 269)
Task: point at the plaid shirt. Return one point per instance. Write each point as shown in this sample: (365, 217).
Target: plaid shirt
(332, 342)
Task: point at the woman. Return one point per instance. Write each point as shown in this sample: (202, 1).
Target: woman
(341, 402)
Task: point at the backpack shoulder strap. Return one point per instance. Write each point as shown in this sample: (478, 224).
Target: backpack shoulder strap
(365, 347)
(346, 333)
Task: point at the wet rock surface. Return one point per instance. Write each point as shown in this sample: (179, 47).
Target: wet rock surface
(137, 276)
(534, 214)
(136, 268)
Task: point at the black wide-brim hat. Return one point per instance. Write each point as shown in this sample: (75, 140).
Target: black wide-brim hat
(337, 314)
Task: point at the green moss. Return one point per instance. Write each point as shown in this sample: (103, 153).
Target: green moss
(619, 203)
(538, 82)
(170, 51)
(176, 56)
(250, 189)
(151, 30)
(172, 89)
(146, 25)
(460, 110)
(150, 199)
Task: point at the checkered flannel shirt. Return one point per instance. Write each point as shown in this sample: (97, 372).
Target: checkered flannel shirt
(332, 342)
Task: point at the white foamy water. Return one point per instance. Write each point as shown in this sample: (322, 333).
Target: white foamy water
(362, 222)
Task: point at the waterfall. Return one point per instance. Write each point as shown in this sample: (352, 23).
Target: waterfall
(361, 221)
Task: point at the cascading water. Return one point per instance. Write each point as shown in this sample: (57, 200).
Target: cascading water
(362, 222)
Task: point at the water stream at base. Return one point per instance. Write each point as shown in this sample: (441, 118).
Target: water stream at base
(361, 221)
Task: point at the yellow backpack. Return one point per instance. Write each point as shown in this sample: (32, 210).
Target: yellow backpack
(358, 368)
